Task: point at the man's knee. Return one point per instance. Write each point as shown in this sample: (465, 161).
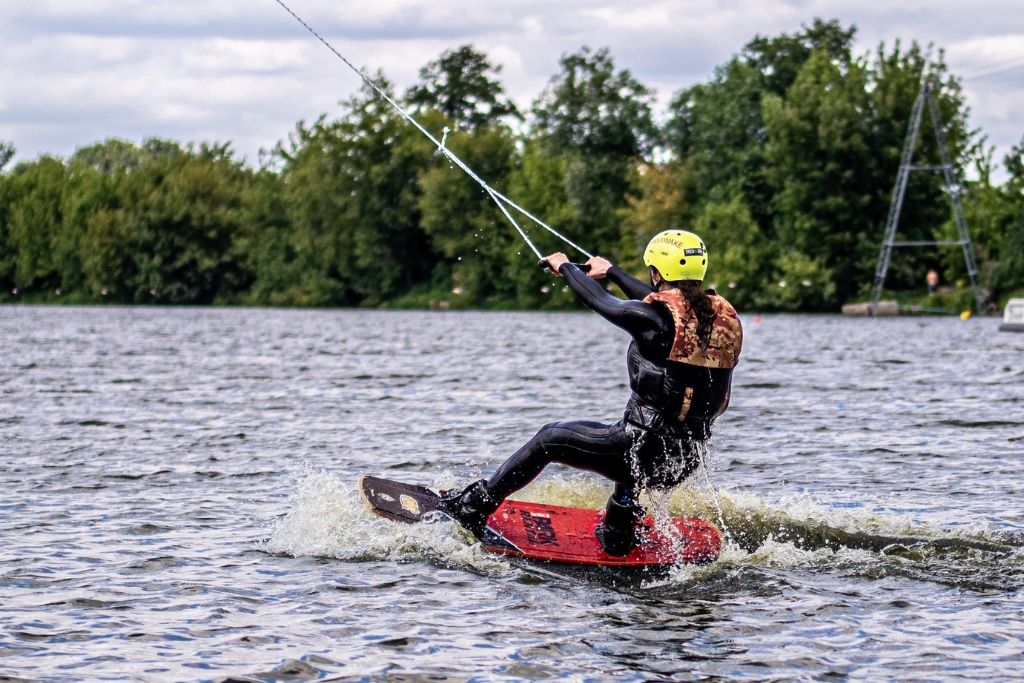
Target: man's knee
(552, 434)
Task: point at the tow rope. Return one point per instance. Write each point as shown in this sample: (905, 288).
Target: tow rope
(502, 202)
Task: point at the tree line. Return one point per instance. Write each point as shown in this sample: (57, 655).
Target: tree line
(784, 160)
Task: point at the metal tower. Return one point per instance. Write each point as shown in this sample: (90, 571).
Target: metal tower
(951, 186)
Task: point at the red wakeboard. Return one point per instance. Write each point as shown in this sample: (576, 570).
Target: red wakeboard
(568, 535)
(553, 533)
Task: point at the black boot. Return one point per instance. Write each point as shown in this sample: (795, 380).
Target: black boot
(470, 507)
(618, 531)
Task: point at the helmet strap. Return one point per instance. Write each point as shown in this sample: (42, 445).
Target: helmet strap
(656, 279)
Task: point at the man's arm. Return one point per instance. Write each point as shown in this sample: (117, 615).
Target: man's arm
(631, 286)
(600, 267)
(649, 325)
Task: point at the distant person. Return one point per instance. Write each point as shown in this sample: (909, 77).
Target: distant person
(932, 278)
(686, 342)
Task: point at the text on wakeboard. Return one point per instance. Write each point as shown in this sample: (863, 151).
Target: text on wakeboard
(538, 529)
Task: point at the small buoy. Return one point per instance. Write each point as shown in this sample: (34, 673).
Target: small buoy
(757, 320)
(965, 315)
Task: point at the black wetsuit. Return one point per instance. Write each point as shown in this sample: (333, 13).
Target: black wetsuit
(633, 456)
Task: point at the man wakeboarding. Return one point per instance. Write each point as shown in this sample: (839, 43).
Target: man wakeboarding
(685, 343)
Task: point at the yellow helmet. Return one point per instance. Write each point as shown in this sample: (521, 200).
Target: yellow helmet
(678, 255)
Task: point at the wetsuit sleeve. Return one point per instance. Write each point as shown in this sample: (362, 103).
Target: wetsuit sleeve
(650, 326)
(631, 286)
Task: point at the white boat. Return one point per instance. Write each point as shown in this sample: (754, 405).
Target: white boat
(1013, 316)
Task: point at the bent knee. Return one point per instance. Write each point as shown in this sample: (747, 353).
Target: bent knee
(574, 433)
(551, 434)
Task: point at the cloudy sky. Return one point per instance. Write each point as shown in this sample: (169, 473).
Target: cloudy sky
(73, 73)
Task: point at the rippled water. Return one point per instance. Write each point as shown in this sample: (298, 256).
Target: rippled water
(178, 501)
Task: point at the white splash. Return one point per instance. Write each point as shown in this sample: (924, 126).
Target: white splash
(329, 518)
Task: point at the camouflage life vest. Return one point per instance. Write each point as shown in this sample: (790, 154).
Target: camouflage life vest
(723, 349)
(692, 386)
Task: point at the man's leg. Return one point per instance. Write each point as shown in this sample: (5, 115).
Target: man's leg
(590, 446)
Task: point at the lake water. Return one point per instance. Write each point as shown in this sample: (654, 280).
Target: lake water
(179, 501)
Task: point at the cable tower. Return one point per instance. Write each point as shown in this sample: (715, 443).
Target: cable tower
(951, 186)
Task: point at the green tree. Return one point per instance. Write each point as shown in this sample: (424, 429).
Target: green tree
(592, 108)
(477, 242)
(462, 84)
(351, 195)
(109, 246)
(740, 259)
(391, 252)
(779, 59)
(6, 154)
(995, 219)
(599, 119)
(716, 131)
(538, 184)
(717, 128)
(1008, 275)
(263, 247)
(168, 237)
(86, 191)
(112, 156)
(34, 220)
(7, 255)
(817, 148)
(660, 202)
(301, 265)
